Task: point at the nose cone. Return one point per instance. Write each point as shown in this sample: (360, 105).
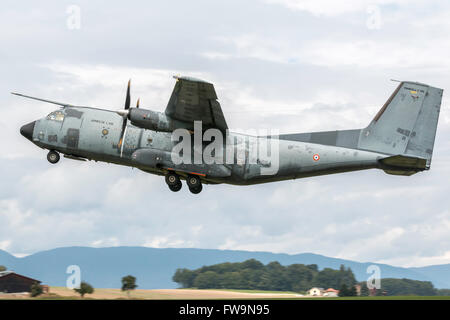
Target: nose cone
(27, 130)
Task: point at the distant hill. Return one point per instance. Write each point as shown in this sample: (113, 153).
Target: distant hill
(6, 259)
(154, 268)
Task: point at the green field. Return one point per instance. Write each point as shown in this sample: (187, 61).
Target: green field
(60, 293)
(378, 298)
(250, 291)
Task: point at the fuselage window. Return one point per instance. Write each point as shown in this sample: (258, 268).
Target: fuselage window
(56, 116)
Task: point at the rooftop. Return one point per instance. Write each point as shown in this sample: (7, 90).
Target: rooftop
(5, 273)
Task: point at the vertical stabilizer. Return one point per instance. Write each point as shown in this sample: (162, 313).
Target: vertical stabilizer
(406, 124)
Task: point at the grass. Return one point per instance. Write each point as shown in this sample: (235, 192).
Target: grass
(59, 293)
(245, 291)
(392, 298)
(305, 297)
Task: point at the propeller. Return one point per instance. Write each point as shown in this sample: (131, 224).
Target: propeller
(124, 114)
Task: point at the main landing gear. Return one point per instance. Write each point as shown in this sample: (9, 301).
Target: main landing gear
(53, 157)
(173, 181)
(193, 182)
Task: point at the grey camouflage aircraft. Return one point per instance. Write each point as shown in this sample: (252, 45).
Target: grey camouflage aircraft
(399, 140)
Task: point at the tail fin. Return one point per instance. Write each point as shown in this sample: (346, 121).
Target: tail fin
(406, 124)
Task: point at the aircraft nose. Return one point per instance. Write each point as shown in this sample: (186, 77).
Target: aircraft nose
(27, 130)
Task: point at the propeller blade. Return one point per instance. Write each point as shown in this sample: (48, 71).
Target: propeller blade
(127, 100)
(124, 125)
(124, 115)
(137, 103)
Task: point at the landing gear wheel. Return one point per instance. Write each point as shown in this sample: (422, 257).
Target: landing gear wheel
(53, 157)
(176, 187)
(193, 182)
(197, 189)
(172, 179)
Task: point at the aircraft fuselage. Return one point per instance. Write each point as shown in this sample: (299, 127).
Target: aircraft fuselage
(191, 140)
(94, 134)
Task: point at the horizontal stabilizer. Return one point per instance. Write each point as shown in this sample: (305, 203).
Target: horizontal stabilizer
(403, 165)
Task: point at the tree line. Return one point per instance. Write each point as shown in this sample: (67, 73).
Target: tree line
(252, 274)
(402, 287)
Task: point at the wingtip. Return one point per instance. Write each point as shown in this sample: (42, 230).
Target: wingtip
(192, 79)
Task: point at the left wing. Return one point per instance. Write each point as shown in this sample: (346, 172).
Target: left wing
(195, 100)
(43, 100)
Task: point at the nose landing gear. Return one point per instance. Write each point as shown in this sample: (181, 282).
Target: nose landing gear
(53, 157)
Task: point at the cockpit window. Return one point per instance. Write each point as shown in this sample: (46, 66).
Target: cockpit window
(56, 116)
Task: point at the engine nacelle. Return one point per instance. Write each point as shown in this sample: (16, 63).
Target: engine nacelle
(158, 121)
(148, 119)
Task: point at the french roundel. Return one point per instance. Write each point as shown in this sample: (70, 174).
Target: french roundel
(316, 157)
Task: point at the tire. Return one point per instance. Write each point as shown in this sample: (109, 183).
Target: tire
(176, 187)
(172, 179)
(196, 190)
(193, 181)
(53, 157)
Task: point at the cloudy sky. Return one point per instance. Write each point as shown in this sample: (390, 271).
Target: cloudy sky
(291, 65)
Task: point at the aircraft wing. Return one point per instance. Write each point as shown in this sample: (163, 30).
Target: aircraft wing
(195, 100)
(43, 100)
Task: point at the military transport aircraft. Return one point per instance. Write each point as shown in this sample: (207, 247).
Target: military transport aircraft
(399, 139)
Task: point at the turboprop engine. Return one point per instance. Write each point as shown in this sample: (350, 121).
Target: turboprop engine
(149, 119)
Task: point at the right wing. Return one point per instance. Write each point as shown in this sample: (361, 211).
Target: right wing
(196, 100)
